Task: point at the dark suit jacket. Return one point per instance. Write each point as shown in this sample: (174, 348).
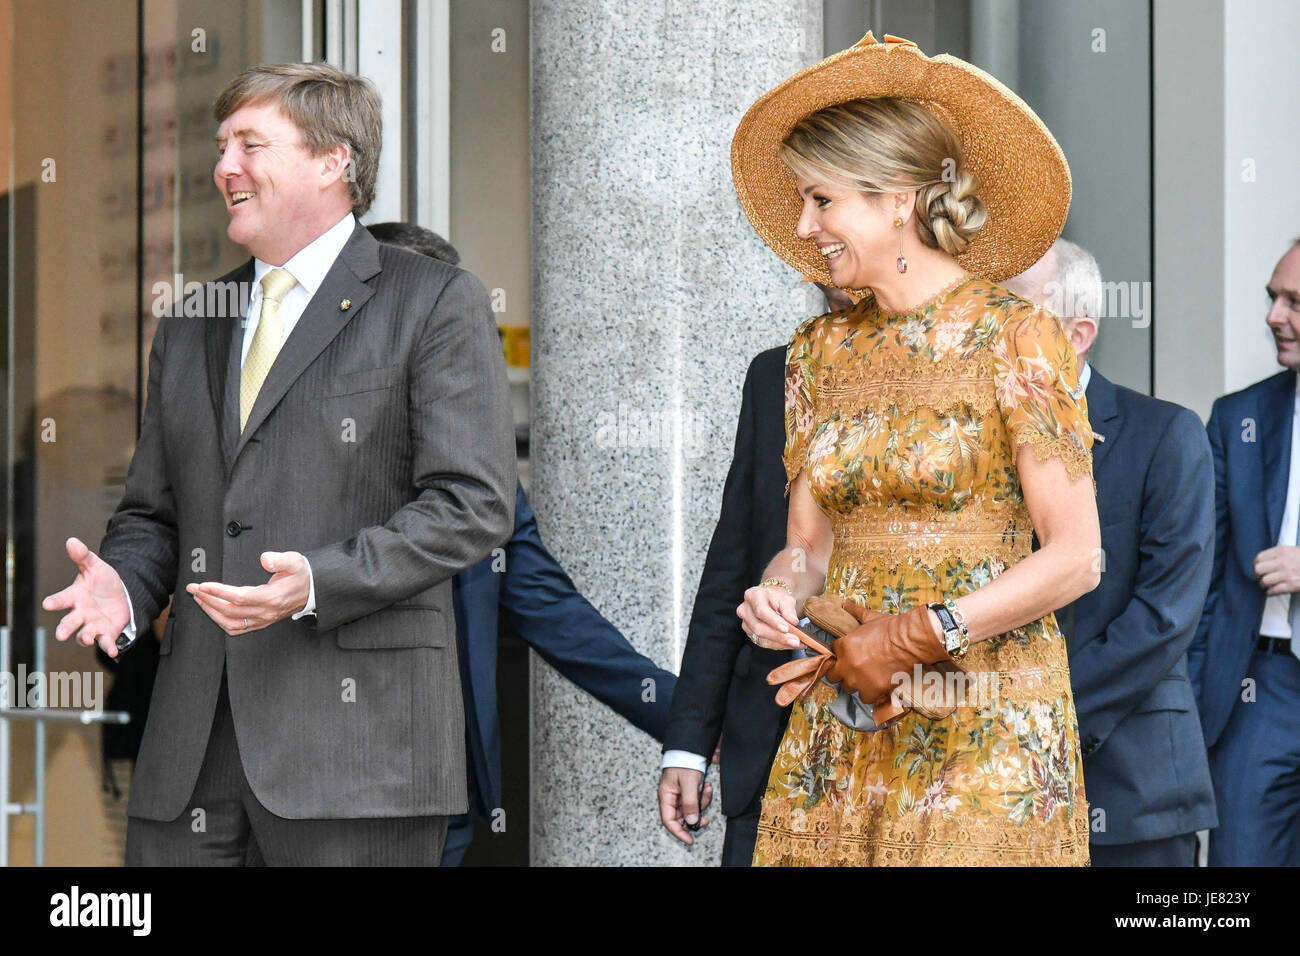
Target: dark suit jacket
(379, 447)
(1144, 762)
(531, 595)
(723, 683)
(1250, 434)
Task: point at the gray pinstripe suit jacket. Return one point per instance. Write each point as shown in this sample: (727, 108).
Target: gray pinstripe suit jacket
(382, 447)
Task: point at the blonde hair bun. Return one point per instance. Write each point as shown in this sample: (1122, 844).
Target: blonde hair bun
(950, 214)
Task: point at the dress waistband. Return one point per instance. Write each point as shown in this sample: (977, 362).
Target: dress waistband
(974, 534)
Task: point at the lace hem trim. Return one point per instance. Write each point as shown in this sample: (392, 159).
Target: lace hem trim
(822, 836)
(1068, 447)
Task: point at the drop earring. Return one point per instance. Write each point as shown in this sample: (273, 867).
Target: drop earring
(902, 261)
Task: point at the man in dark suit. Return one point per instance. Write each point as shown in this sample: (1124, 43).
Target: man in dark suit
(524, 589)
(1243, 661)
(1144, 767)
(350, 410)
(529, 594)
(722, 689)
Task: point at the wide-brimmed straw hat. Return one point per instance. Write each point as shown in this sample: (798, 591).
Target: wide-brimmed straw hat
(1024, 180)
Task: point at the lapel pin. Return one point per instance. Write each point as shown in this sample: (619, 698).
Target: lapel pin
(345, 305)
(1097, 437)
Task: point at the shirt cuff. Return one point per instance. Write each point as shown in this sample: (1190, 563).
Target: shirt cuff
(684, 759)
(129, 632)
(311, 593)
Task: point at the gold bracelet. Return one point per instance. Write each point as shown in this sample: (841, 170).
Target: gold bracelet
(777, 583)
(957, 615)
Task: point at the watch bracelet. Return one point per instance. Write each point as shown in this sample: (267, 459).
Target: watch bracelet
(957, 616)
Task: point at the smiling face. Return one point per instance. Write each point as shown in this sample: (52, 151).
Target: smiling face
(854, 230)
(1284, 314)
(279, 197)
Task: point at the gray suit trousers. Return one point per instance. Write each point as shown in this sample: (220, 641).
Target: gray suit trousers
(226, 825)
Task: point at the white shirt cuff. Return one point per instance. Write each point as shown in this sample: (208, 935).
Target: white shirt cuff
(683, 758)
(130, 628)
(311, 593)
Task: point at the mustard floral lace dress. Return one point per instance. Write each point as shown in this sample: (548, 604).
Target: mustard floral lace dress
(907, 426)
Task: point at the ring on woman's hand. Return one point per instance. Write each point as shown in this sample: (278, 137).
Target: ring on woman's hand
(245, 623)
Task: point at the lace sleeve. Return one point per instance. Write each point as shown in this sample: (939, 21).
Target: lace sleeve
(1038, 392)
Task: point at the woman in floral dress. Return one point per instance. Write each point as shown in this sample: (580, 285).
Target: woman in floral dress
(931, 430)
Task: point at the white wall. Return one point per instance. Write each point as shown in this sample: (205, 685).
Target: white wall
(1085, 69)
(1226, 205)
(1262, 216)
(1188, 193)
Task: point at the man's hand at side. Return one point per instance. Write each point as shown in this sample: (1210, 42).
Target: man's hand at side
(96, 602)
(680, 802)
(241, 610)
(1278, 569)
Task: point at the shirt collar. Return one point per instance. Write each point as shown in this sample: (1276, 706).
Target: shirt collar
(1085, 377)
(310, 264)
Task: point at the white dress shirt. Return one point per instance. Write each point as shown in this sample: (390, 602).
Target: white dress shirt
(309, 266)
(1277, 609)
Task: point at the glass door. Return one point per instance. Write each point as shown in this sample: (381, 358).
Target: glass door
(110, 208)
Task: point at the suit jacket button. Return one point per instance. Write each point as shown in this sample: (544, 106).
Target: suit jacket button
(234, 528)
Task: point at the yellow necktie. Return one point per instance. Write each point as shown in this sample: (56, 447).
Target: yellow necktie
(266, 341)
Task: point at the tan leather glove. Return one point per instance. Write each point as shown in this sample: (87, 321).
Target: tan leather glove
(799, 676)
(796, 678)
(883, 645)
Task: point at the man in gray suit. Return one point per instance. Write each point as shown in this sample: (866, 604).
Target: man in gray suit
(341, 433)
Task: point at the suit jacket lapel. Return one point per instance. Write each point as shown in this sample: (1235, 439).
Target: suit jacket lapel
(1103, 416)
(220, 335)
(1275, 410)
(322, 320)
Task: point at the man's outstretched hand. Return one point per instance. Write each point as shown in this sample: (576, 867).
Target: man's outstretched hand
(242, 610)
(96, 602)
